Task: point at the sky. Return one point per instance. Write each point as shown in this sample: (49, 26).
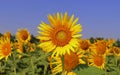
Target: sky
(99, 18)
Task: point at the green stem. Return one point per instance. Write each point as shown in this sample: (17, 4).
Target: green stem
(32, 67)
(115, 60)
(63, 63)
(0, 67)
(116, 63)
(15, 70)
(106, 60)
(14, 63)
(105, 71)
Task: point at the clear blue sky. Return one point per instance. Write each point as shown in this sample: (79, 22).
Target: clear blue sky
(99, 18)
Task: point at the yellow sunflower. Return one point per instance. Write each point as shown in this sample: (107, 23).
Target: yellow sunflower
(97, 61)
(110, 42)
(116, 51)
(5, 48)
(70, 62)
(100, 47)
(61, 35)
(23, 35)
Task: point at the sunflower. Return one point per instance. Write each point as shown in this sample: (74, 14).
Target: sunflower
(5, 48)
(97, 61)
(60, 35)
(23, 35)
(100, 47)
(116, 51)
(70, 62)
(110, 42)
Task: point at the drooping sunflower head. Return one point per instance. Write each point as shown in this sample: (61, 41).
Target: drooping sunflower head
(5, 48)
(23, 35)
(60, 35)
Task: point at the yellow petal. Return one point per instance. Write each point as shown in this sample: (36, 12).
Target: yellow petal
(43, 37)
(81, 61)
(77, 35)
(71, 20)
(75, 21)
(51, 20)
(44, 26)
(74, 43)
(71, 73)
(58, 17)
(44, 33)
(58, 49)
(64, 19)
(71, 48)
(76, 29)
(44, 44)
(67, 49)
(1, 57)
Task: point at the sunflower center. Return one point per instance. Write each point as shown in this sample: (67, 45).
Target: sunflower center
(101, 49)
(6, 49)
(70, 61)
(98, 60)
(116, 50)
(24, 35)
(84, 45)
(61, 36)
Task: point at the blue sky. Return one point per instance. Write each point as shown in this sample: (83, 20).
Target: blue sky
(99, 18)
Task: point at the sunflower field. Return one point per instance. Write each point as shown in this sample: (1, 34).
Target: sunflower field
(58, 49)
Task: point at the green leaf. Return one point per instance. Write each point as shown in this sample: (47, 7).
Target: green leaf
(90, 71)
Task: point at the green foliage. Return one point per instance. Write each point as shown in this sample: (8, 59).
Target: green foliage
(89, 71)
(26, 63)
(36, 62)
(111, 68)
(32, 63)
(117, 43)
